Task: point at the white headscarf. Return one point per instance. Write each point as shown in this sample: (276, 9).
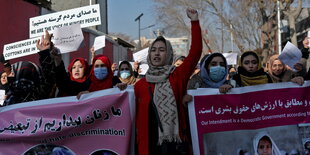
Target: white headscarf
(275, 149)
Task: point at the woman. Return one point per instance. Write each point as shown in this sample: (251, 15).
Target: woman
(279, 73)
(126, 74)
(4, 85)
(231, 72)
(101, 75)
(165, 130)
(4, 81)
(212, 74)
(69, 84)
(75, 81)
(264, 145)
(178, 60)
(27, 84)
(250, 71)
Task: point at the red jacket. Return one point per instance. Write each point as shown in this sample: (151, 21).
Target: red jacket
(178, 80)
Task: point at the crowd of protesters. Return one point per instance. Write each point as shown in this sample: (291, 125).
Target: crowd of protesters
(165, 83)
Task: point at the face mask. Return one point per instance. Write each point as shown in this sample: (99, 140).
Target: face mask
(101, 72)
(217, 73)
(231, 74)
(125, 74)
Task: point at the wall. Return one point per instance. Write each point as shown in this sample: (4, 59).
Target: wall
(14, 17)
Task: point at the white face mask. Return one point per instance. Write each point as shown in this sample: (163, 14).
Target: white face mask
(125, 74)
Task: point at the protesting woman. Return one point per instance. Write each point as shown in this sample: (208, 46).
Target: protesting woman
(213, 73)
(250, 71)
(126, 74)
(279, 73)
(161, 118)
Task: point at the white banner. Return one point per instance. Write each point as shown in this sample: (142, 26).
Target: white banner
(141, 56)
(290, 55)
(86, 16)
(99, 42)
(2, 96)
(231, 58)
(20, 48)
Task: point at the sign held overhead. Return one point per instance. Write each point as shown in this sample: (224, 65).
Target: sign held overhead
(85, 16)
(20, 48)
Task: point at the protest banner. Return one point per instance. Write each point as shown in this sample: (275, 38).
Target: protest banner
(99, 42)
(86, 16)
(290, 54)
(231, 58)
(68, 38)
(141, 56)
(98, 123)
(20, 48)
(229, 123)
(2, 97)
(143, 68)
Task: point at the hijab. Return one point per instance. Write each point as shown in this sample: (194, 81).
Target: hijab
(84, 64)
(286, 74)
(275, 149)
(204, 72)
(163, 95)
(248, 79)
(106, 83)
(131, 79)
(4, 86)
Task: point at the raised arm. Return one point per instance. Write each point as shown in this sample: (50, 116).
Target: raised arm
(190, 62)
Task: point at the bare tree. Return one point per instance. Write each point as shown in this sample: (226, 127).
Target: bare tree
(122, 36)
(171, 15)
(242, 22)
(292, 14)
(226, 22)
(252, 23)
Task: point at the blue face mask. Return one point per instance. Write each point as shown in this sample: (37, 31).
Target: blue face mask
(217, 73)
(101, 72)
(125, 74)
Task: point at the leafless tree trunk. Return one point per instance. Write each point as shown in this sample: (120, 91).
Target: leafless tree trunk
(253, 22)
(292, 14)
(227, 23)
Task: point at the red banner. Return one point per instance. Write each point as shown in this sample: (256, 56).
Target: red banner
(248, 110)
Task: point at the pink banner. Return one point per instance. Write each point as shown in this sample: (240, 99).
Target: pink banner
(95, 125)
(250, 110)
